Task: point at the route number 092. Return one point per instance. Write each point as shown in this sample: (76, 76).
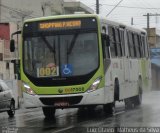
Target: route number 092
(48, 71)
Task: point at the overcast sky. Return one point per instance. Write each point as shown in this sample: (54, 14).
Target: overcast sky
(128, 9)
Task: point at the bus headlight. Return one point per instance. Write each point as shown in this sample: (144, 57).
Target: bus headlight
(95, 84)
(28, 89)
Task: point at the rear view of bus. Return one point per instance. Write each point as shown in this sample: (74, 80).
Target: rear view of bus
(60, 63)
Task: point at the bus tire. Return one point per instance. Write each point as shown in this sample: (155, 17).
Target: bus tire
(116, 90)
(109, 108)
(49, 112)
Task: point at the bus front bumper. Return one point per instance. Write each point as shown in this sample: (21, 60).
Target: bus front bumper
(64, 101)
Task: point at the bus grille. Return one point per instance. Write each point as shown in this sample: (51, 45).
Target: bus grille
(71, 100)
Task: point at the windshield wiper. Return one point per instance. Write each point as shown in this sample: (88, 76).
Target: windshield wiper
(72, 44)
(52, 49)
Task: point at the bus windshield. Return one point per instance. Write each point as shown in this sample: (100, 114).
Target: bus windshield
(62, 55)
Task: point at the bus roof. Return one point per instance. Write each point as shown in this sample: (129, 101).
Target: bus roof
(102, 19)
(119, 24)
(61, 17)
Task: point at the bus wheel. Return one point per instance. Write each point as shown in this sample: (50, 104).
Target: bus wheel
(109, 108)
(49, 112)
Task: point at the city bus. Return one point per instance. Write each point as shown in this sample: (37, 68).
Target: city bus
(84, 60)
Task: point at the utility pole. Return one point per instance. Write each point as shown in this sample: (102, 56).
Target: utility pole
(148, 21)
(132, 21)
(97, 6)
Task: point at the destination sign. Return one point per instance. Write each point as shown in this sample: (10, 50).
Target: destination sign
(60, 25)
(56, 26)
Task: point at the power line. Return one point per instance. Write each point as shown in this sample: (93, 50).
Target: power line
(148, 4)
(14, 10)
(132, 7)
(114, 8)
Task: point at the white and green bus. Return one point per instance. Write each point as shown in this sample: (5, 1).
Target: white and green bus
(72, 61)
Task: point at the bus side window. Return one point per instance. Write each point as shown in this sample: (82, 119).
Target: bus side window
(129, 50)
(112, 37)
(140, 46)
(122, 41)
(144, 46)
(130, 45)
(134, 46)
(147, 46)
(105, 45)
(137, 45)
(118, 43)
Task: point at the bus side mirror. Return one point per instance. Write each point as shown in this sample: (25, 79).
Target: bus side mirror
(12, 45)
(12, 42)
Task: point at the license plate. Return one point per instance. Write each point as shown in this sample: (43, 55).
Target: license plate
(61, 104)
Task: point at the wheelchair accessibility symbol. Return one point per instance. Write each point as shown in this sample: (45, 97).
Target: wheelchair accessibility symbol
(67, 70)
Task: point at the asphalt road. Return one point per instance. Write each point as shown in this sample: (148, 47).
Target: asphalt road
(83, 121)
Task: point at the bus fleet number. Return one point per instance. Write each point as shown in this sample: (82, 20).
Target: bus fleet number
(48, 71)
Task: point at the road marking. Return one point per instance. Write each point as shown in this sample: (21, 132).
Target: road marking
(119, 112)
(64, 129)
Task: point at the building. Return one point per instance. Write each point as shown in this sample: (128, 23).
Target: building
(6, 67)
(69, 7)
(18, 10)
(154, 37)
